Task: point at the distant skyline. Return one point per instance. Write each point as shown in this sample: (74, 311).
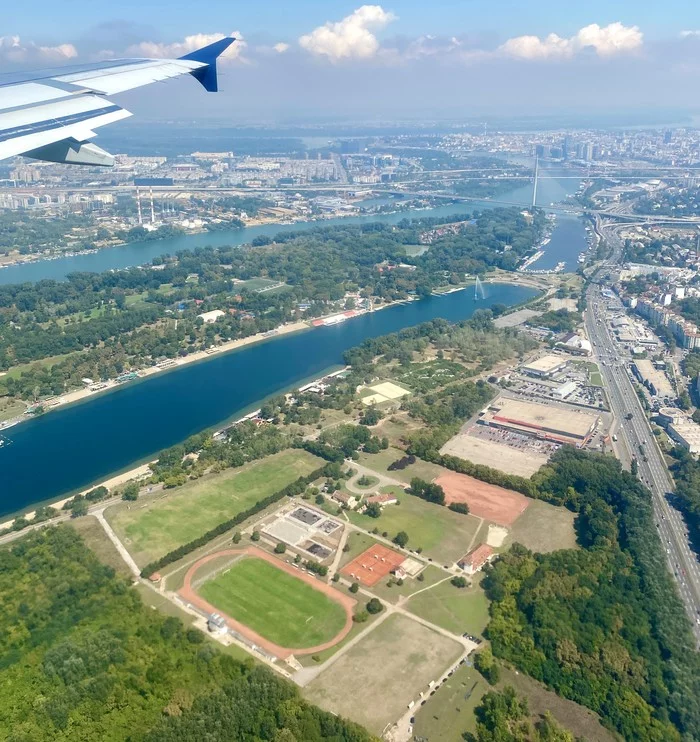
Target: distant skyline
(438, 60)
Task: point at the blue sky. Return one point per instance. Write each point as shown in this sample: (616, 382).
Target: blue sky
(433, 58)
(287, 19)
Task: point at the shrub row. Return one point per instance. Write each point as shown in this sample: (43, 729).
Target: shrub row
(334, 455)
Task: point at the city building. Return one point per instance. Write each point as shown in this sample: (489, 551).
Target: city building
(549, 422)
(544, 367)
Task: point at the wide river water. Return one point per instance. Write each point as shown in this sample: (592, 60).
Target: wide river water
(72, 447)
(568, 239)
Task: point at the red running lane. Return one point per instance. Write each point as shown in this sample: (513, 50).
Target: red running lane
(189, 594)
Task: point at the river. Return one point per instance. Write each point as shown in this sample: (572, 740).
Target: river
(563, 246)
(73, 446)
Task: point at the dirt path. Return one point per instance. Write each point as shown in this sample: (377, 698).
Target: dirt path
(189, 594)
(384, 480)
(112, 536)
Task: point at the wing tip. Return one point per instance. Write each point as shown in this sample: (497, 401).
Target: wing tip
(210, 53)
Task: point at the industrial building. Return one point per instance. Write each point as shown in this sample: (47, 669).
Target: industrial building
(573, 427)
(544, 367)
(686, 433)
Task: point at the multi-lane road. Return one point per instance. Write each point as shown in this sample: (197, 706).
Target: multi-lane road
(635, 433)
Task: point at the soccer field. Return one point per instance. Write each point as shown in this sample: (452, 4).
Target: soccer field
(152, 527)
(275, 604)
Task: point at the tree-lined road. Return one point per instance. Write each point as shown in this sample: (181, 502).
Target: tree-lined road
(636, 433)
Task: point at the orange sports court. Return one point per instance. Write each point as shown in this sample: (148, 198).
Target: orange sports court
(372, 565)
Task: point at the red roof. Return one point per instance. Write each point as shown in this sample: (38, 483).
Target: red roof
(478, 557)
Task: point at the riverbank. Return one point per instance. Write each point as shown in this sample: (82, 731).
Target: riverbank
(81, 395)
(54, 455)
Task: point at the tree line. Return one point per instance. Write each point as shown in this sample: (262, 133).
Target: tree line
(83, 659)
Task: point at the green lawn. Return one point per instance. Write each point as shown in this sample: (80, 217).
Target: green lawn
(444, 535)
(543, 528)
(380, 463)
(456, 609)
(393, 594)
(277, 605)
(153, 526)
(450, 712)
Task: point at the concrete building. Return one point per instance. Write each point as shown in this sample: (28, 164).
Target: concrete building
(550, 422)
(472, 562)
(344, 498)
(217, 624)
(544, 367)
(565, 390)
(686, 433)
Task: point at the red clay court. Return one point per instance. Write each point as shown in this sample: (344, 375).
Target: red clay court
(373, 565)
(486, 501)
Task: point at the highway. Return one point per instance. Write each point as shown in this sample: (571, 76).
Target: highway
(637, 435)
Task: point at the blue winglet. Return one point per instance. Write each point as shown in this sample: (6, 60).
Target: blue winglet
(208, 55)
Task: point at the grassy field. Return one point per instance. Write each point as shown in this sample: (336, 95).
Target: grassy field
(424, 377)
(277, 605)
(450, 712)
(443, 535)
(374, 682)
(456, 609)
(544, 528)
(10, 408)
(380, 463)
(154, 526)
(393, 594)
(98, 542)
(357, 543)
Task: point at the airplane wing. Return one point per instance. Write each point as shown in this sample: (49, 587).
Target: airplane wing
(52, 114)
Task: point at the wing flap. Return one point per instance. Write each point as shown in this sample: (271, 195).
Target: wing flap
(28, 129)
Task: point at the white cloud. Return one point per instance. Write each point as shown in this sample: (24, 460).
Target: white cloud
(281, 48)
(153, 49)
(690, 34)
(351, 38)
(606, 41)
(12, 49)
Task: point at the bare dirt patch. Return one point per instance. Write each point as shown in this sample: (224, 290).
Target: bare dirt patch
(373, 683)
(495, 455)
(496, 535)
(486, 501)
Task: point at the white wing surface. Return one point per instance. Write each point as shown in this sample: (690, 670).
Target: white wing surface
(52, 114)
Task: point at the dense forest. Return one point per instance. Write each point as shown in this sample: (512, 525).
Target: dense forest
(29, 233)
(686, 475)
(111, 322)
(82, 659)
(602, 624)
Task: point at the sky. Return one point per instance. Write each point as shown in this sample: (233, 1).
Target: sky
(400, 59)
